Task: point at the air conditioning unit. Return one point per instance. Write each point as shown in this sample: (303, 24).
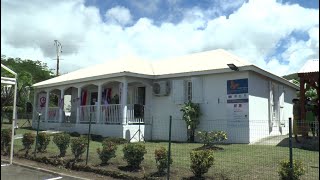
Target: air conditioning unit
(161, 88)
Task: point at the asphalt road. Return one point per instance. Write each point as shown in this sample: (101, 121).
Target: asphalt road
(13, 172)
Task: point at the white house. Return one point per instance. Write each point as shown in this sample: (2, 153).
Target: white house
(122, 96)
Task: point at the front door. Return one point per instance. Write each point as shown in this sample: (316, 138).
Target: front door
(141, 95)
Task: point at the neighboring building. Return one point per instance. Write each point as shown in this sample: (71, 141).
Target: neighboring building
(248, 103)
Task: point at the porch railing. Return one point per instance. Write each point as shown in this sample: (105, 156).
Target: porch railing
(87, 112)
(135, 113)
(53, 114)
(111, 114)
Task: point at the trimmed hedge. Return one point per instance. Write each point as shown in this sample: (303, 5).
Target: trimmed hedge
(62, 140)
(78, 147)
(108, 151)
(27, 141)
(201, 161)
(5, 141)
(43, 141)
(134, 154)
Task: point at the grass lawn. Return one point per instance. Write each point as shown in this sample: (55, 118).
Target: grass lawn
(236, 161)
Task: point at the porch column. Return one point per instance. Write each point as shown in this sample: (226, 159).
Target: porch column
(47, 106)
(99, 103)
(124, 94)
(61, 105)
(35, 106)
(78, 105)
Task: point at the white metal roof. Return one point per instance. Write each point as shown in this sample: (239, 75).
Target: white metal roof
(209, 60)
(214, 61)
(310, 66)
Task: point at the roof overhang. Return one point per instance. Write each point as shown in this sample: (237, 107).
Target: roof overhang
(92, 78)
(173, 75)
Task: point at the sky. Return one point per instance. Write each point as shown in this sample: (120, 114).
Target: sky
(276, 35)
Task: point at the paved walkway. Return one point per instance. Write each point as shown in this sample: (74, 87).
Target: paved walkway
(13, 172)
(271, 140)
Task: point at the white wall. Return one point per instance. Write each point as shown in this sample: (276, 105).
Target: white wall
(259, 107)
(214, 111)
(106, 130)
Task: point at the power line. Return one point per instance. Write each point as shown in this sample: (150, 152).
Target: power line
(58, 51)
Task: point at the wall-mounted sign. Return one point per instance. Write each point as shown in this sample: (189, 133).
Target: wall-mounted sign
(237, 86)
(237, 99)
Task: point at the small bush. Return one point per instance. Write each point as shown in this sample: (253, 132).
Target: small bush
(286, 173)
(5, 141)
(78, 147)
(27, 141)
(161, 157)
(134, 154)
(43, 141)
(74, 134)
(108, 151)
(95, 137)
(62, 140)
(201, 161)
(211, 137)
(116, 140)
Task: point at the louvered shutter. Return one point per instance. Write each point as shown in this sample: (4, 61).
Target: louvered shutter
(197, 90)
(281, 105)
(178, 91)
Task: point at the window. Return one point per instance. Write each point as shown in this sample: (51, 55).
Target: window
(189, 91)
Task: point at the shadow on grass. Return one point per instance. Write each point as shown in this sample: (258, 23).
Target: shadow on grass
(129, 169)
(27, 128)
(212, 147)
(311, 144)
(216, 176)
(158, 174)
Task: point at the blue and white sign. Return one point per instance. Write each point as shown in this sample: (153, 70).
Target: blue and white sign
(237, 86)
(237, 100)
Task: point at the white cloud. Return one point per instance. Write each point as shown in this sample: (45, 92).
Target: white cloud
(252, 32)
(119, 15)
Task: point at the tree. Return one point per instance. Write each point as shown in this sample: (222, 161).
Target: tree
(29, 72)
(310, 92)
(191, 114)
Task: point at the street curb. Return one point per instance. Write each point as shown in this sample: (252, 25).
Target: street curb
(44, 170)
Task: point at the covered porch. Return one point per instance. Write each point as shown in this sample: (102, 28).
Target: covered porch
(117, 101)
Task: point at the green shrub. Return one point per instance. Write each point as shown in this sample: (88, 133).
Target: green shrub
(27, 141)
(191, 115)
(201, 161)
(5, 141)
(116, 140)
(95, 137)
(43, 141)
(74, 134)
(161, 157)
(108, 151)
(62, 140)
(211, 137)
(78, 147)
(134, 154)
(286, 173)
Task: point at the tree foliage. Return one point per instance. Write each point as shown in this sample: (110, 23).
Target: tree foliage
(191, 115)
(29, 72)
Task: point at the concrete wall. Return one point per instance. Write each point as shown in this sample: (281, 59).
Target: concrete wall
(259, 107)
(125, 131)
(213, 108)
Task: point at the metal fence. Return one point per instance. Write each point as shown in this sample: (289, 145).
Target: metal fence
(253, 149)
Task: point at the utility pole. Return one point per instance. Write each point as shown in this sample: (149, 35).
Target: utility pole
(59, 51)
